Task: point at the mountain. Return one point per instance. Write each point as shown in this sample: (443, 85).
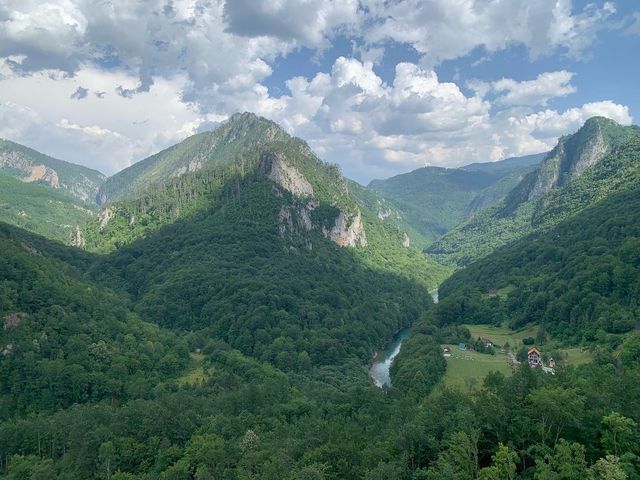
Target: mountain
(433, 200)
(575, 280)
(199, 152)
(61, 341)
(43, 210)
(599, 159)
(45, 195)
(30, 166)
(251, 154)
(507, 166)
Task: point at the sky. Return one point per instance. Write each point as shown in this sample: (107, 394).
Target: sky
(379, 87)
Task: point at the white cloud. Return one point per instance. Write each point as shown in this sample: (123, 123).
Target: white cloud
(147, 74)
(106, 132)
(307, 23)
(447, 29)
(351, 117)
(546, 86)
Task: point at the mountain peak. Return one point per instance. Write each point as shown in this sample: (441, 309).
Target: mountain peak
(241, 133)
(570, 158)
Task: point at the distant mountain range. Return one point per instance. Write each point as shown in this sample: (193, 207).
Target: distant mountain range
(433, 200)
(456, 214)
(45, 195)
(598, 160)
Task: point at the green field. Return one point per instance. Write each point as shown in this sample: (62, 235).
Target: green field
(468, 368)
(501, 335)
(465, 367)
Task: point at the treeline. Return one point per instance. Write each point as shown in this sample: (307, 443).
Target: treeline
(251, 421)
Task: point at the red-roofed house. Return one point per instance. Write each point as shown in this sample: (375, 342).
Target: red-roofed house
(534, 358)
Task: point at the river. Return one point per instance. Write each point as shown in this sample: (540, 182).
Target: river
(379, 371)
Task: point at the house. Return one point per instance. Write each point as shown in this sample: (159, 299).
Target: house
(534, 358)
(462, 346)
(552, 362)
(447, 352)
(493, 293)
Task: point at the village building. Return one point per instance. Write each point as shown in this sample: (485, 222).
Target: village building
(534, 358)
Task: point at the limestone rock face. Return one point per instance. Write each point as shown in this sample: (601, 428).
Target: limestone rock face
(570, 158)
(285, 175)
(37, 168)
(77, 238)
(406, 241)
(348, 232)
(105, 216)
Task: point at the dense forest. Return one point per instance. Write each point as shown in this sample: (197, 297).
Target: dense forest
(215, 329)
(577, 280)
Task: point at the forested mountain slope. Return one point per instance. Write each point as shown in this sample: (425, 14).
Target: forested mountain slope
(43, 210)
(30, 166)
(578, 279)
(600, 159)
(221, 147)
(65, 340)
(269, 252)
(433, 200)
(313, 200)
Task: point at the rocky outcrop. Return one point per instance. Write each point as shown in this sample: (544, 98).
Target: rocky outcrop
(288, 177)
(30, 166)
(406, 241)
(570, 158)
(105, 216)
(348, 232)
(77, 238)
(28, 171)
(13, 320)
(28, 248)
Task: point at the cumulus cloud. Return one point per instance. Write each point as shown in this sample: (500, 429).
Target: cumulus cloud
(107, 132)
(161, 70)
(539, 91)
(307, 23)
(386, 129)
(444, 29)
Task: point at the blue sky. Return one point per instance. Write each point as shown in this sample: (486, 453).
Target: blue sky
(379, 87)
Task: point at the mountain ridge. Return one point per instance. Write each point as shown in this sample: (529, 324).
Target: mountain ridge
(601, 158)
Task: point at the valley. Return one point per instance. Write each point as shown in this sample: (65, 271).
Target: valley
(234, 307)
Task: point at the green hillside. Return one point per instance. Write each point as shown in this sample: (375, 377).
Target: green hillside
(66, 340)
(602, 158)
(78, 182)
(220, 147)
(42, 210)
(314, 201)
(434, 200)
(577, 281)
